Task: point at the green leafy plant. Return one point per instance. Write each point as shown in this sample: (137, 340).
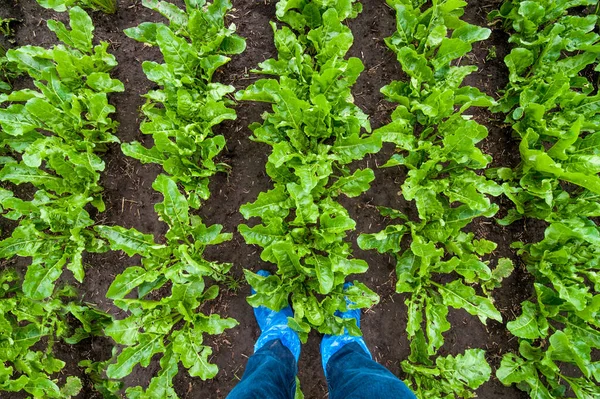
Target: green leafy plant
(109, 389)
(551, 105)
(54, 133)
(173, 325)
(28, 332)
(436, 142)
(180, 116)
(450, 376)
(106, 6)
(560, 325)
(315, 133)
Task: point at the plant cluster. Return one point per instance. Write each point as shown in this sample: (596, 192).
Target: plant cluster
(436, 142)
(315, 132)
(29, 329)
(51, 136)
(552, 105)
(106, 6)
(53, 132)
(180, 116)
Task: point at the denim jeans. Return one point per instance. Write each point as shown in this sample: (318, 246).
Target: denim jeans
(351, 374)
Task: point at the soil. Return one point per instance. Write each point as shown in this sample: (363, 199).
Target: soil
(130, 198)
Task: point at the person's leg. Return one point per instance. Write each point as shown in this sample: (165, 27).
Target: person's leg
(271, 371)
(351, 371)
(352, 374)
(270, 374)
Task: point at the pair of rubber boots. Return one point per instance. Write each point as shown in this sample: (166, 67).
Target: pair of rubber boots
(274, 325)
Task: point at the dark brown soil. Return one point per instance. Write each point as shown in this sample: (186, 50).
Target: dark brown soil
(130, 199)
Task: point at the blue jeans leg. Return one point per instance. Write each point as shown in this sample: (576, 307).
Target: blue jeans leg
(270, 374)
(351, 374)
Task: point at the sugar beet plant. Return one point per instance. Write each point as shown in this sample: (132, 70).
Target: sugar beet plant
(315, 132)
(436, 142)
(107, 6)
(50, 139)
(29, 330)
(553, 108)
(52, 135)
(180, 116)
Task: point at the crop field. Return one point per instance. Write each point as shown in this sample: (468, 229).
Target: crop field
(442, 155)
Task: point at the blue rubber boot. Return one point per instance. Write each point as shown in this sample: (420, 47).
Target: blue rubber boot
(330, 344)
(274, 325)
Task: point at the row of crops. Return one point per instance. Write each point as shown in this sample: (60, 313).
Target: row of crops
(55, 131)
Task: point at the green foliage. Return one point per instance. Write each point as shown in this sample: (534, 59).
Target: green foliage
(54, 133)
(171, 325)
(50, 136)
(28, 331)
(450, 377)
(106, 6)
(436, 142)
(109, 389)
(315, 133)
(550, 103)
(180, 116)
(551, 106)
